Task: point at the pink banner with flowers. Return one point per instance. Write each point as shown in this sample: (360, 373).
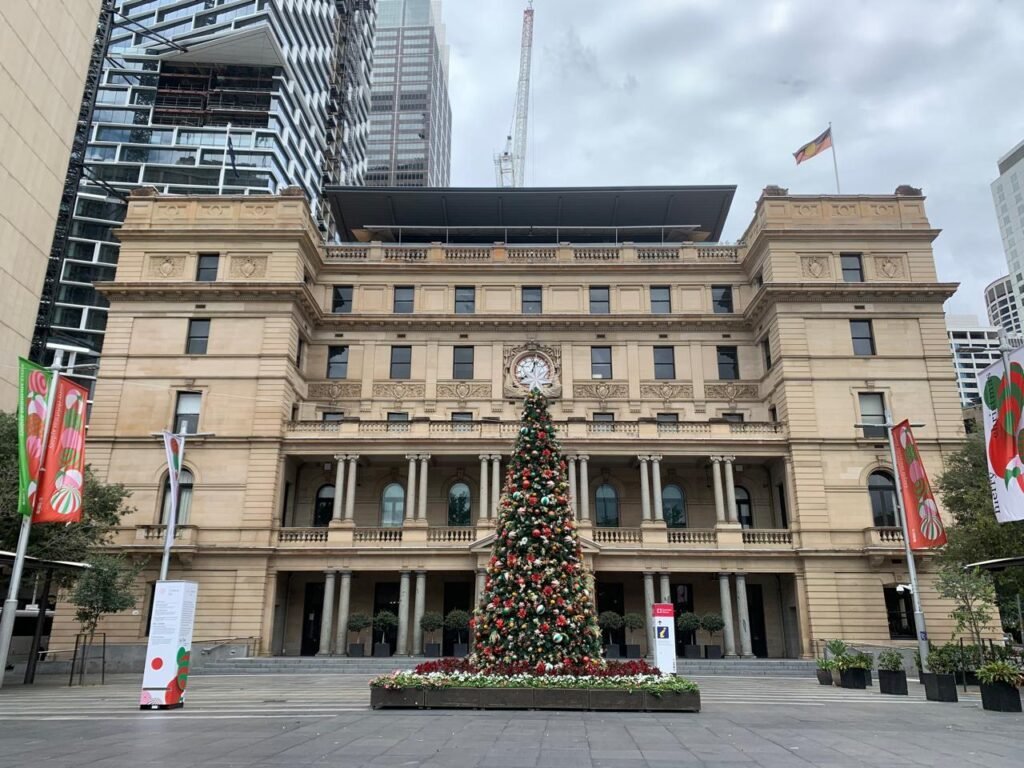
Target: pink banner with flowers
(33, 405)
(61, 484)
(924, 526)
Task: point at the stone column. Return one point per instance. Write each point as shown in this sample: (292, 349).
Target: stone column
(327, 616)
(805, 631)
(344, 593)
(790, 487)
(421, 505)
(417, 613)
(659, 512)
(645, 489)
(481, 583)
(666, 588)
(572, 484)
(584, 488)
(730, 490)
(484, 511)
(716, 472)
(403, 616)
(743, 615)
(350, 488)
(648, 610)
(410, 486)
(339, 487)
(495, 483)
(726, 600)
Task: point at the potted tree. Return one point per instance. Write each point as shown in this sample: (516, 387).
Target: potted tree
(382, 622)
(834, 650)
(688, 623)
(458, 621)
(939, 681)
(853, 670)
(357, 622)
(824, 671)
(609, 621)
(892, 677)
(711, 623)
(633, 622)
(430, 622)
(1000, 686)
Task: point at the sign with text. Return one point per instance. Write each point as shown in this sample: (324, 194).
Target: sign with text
(664, 617)
(170, 645)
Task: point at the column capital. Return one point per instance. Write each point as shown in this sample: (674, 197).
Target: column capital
(340, 457)
(353, 457)
(495, 457)
(654, 458)
(412, 456)
(715, 459)
(344, 572)
(724, 574)
(405, 574)
(484, 457)
(424, 457)
(729, 459)
(421, 572)
(583, 456)
(644, 459)
(740, 575)
(329, 573)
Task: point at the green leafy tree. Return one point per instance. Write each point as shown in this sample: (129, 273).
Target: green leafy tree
(106, 587)
(975, 597)
(536, 609)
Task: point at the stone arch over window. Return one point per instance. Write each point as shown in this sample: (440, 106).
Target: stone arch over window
(744, 508)
(606, 506)
(673, 504)
(392, 505)
(460, 504)
(186, 481)
(323, 507)
(882, 490)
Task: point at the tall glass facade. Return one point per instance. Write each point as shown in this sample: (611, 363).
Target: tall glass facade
(411, 119)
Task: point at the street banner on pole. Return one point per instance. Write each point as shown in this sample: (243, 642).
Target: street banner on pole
(924, 525)
(63, 474)
(33, 406)
(170, 645)
(1002, 403)
(663, 615)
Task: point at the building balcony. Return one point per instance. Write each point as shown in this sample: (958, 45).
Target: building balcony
(884, 538)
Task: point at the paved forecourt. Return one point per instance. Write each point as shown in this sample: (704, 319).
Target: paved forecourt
(292, 720)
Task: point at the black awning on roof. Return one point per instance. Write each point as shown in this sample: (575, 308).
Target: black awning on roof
(531, 215)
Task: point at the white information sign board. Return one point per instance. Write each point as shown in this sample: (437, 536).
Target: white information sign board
(664, 616)
(170, 645)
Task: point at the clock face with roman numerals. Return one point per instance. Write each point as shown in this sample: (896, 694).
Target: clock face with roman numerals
(533, 372)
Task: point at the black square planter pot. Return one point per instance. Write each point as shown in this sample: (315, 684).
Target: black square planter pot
(402, 698)
(892, 683)
(939, 687)
(459, 650)
(1000, 697)
(691, 651)
(616, 701)
(632, 651)
(712, 651)
(825, 676)
(381, 649)
(853, 678)
(433, 650)
(356, 649)
(611, 651)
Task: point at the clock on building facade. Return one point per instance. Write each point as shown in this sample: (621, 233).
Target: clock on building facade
(533, 366)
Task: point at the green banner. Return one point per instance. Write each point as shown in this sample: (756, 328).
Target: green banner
(33, 407)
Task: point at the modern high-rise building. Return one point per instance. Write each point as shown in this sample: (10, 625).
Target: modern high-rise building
(411, 120)
(975, 347)
(1001, 304)
(282, 86)
(1008, 196)
(45, 58)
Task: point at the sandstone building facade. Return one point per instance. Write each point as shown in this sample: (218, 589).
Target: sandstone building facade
(356, 403)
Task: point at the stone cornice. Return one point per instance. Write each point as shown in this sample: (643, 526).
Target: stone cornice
(831, 292)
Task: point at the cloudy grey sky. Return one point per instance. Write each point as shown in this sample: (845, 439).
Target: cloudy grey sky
(921, 92)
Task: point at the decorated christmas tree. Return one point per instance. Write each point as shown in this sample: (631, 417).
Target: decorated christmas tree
(536, 610)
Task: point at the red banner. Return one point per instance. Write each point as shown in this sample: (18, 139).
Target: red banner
(924, 526)
(63, 475)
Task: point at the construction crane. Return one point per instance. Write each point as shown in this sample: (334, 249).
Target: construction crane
(510, 164)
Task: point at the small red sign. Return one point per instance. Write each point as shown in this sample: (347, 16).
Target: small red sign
(663, 609)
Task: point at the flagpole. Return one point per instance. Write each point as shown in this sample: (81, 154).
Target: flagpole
(172, 517)
(224, 161)
(835, 165)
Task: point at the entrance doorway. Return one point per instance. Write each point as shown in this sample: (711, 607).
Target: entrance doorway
(385, 598)
(610, 597)
(682, 601)
(312, 612)
(755, 609)
(458, 595)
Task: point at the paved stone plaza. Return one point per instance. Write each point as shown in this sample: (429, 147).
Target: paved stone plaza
(304, 720)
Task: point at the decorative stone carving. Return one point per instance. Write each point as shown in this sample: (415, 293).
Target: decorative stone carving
(334, 390)
(806, 210)
(817, 267)
(881, 209)
(213, 210)
(163, 210)
(666, 392)
(845, 209)
(889, 267)
(602, 391)
(512, 354)
(167, 266)
(731, 391)
(248, 266)
(462, 391)
(398, 391)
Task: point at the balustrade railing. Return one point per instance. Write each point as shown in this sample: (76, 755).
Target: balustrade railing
(618, 535)
(377, 535)
(452, 534)
(767, 536)
(299, 535)
(692, 536)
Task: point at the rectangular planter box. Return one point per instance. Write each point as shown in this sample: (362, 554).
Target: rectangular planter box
(506, 698)
(1000, 697)
(381, 698)
(454, 698)
(433, 650)
(712, 651)
(892, 683)
(632, 651)
(616, 701)
(939, 687)
(824, 676)
(554, 698)
(459, 650)
(611, 651)
(355, 649)
(691, 651)
(381, 650)
(853, 678)
(672, 702)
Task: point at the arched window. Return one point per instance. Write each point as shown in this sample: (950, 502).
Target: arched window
(459, 504)
(324, 508)
(392, 506)
(882, 489)
(607, 506)
(743, 509)
(673, 504)
(185, 482)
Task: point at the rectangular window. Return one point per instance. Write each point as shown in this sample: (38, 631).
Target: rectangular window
(600, 303)
(853, 269)
(721, 299)
(735, 418)
(899, 606)
(600, 362)
(766, 351)
(331, 416)
(206, 267)
(341, 301)
(661, 300)
(667, 418)
(465, 300)
(462, 416)
(462, 362)
(664, 362)
(186, 413)
(872, 411)
(198, 337)
(300, 350)
(773, 414)
(337, 362)
(728, 363)
(603, 422)
(863, 338)
(533, 302)
(401, 362)
(398, 416)
(604, 417)
(403, 299)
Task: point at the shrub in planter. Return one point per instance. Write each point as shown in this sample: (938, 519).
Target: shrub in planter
(430, 622)
(609, 621)
(853, 670)
(712, 623)
(382, 622)
(892, 678)
(357, 622)
(688, 623)
(633, 622)
(1000, 684)
(939, 682)
(824, 671)
(458, 622)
